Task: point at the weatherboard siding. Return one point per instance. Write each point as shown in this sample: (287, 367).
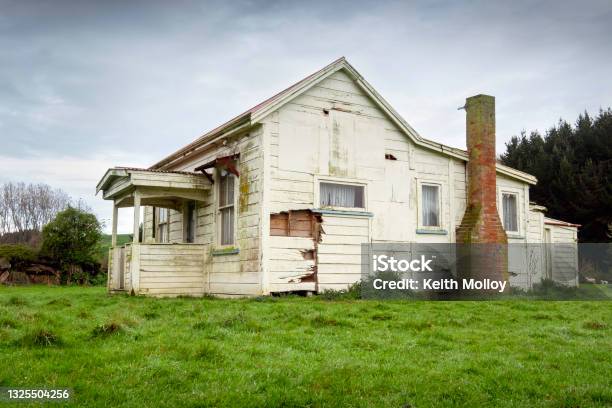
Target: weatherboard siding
(172, 269)
(339, 252)
(227, 273)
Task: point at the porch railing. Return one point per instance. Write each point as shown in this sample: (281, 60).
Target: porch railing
(158, 269)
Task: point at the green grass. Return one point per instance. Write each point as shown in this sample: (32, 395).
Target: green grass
(133, 351)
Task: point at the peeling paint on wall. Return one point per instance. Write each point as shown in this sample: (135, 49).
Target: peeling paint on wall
(244, 188)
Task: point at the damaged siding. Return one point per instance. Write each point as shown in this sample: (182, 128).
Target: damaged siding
(295, 237)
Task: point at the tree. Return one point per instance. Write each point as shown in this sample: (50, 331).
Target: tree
(71, 239)
(573, 165)
(26, 208)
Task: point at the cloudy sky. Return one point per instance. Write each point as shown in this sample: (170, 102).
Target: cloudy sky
(88, 85)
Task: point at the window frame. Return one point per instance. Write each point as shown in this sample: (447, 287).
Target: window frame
(500, 205)
(219, 217)
(341, 181)
(159, 237)
(419, 212)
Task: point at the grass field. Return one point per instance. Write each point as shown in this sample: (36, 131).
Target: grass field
(133, 351)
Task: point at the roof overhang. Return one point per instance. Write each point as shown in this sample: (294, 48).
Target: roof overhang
(552, 221)
(159, 188)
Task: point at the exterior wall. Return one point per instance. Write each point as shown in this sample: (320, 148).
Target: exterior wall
(563, 254)
(339, 252)
(535, 227)
(235, 270)
(334, 132)
(172, 270)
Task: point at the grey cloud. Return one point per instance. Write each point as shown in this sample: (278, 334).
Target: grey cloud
(137, 80)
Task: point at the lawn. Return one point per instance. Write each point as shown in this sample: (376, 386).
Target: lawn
(134, 351)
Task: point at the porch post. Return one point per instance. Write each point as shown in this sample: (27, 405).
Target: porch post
(136, 216)
(135, 261)
(115, 216)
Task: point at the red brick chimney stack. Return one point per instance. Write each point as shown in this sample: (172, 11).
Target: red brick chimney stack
(481, 223)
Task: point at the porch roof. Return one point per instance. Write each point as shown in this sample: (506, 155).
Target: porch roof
(155, 187)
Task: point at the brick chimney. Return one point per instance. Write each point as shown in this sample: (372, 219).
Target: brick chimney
(481, 223)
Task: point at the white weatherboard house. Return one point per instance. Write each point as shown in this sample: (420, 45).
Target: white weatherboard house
(280, 198)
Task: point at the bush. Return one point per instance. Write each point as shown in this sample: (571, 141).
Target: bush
(99, 279)
(18, 255)
(71, 240)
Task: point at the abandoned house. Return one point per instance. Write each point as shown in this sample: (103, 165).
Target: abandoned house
(281, 197)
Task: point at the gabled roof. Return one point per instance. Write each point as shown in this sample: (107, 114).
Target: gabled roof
(259, 111)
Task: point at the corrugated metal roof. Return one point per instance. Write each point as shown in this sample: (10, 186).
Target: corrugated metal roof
(188, 173)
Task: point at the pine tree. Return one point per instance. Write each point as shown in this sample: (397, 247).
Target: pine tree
(573, 165)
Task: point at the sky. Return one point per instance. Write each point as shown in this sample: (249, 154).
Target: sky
(85, 86)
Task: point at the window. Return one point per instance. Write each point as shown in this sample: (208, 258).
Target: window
(430, 202)
(509, 211)
(341, 195)
(190, 219)
(226, 208)
(163, 217)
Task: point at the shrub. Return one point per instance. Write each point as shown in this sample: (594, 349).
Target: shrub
(72, 239)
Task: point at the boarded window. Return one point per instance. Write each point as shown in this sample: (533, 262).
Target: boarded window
(226, 208)
(430, 198)
(299, 223)
(342, 195)
(509, 209)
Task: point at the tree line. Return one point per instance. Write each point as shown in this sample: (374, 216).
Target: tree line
(573, 164)
(28, 207)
